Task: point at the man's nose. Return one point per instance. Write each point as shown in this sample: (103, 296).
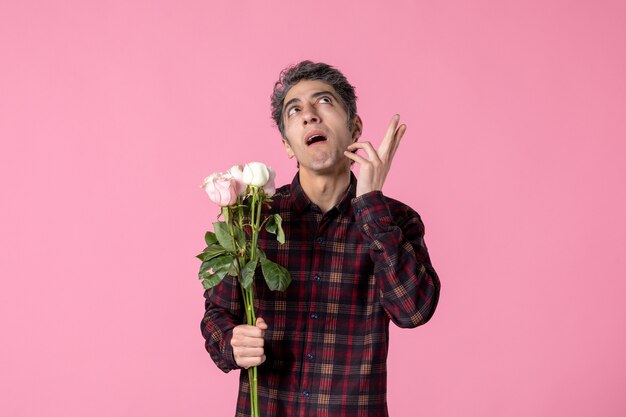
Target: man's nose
(310, 115)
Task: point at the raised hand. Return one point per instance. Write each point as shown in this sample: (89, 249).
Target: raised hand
(375, 164)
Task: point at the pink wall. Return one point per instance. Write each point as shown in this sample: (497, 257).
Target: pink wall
(112, 112)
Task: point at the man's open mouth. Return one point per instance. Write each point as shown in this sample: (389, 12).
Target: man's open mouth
(315, 139)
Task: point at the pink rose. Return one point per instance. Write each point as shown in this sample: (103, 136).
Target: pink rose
(237, 173)
(221, 188)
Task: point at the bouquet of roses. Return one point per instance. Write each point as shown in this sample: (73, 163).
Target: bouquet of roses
(232, 249)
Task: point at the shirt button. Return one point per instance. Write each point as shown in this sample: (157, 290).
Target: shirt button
(306, 394)
(310, 356)
(320, 240)
(358, 212)
(317, 278)
(314, 315)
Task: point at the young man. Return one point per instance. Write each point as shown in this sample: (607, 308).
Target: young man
(357, 259)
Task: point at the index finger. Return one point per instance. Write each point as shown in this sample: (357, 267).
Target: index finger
(389, 136)
(249, 331)
(394, 146)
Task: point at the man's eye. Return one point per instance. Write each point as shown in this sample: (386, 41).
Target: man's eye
(325, 100)
(292, 111)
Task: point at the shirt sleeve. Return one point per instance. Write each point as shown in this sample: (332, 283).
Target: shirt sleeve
(222, 313)
(409, 286)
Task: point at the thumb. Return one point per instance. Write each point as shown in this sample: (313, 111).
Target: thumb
(261, 324)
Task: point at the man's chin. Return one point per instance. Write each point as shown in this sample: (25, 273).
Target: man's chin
(327, 167)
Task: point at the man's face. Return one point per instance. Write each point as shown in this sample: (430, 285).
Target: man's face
(316, 127)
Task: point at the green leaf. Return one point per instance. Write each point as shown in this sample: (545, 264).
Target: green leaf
(210, 274)
(274, 225)
(270, 226)
(223, 236)
(211, 252)
(280, 236)
(210, 238)
(233, 269)
(219, 265)
(213, 272)
(277, 277)
(247, 274)
(211, 281)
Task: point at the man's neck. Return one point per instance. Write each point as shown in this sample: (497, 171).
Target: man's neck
(324, 191)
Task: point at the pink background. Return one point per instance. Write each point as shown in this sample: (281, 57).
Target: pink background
(112, 112)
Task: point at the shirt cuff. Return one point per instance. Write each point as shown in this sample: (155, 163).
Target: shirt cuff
(229, 355)
(225, 358)
(371, 213)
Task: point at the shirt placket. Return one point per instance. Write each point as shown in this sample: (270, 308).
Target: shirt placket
(315, 316)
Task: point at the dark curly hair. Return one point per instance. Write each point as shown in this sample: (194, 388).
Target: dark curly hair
(307, 70)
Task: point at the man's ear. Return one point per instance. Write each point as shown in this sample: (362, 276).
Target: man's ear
(290, 153)
(357, 127)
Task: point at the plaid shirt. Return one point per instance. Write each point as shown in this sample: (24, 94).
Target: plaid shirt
(354, 268)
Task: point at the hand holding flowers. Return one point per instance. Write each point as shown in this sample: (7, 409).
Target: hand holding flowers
(232, 249)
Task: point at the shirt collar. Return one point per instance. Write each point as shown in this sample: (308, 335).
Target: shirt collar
(301, 202)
